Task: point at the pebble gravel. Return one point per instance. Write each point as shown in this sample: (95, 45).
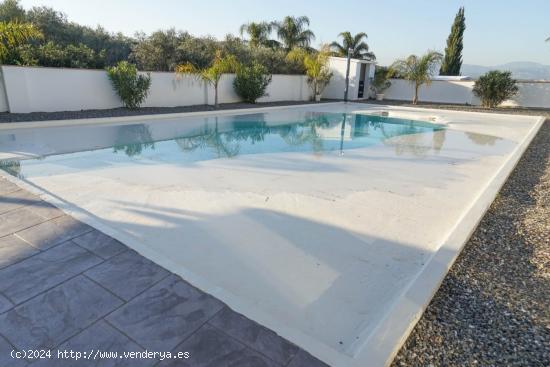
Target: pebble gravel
(493, 307)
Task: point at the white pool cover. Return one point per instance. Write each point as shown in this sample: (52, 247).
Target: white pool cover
(339, 253)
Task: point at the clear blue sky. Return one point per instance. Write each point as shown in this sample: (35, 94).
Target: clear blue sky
(498, 31)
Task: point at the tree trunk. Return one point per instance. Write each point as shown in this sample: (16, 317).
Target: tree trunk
(216, 95)
(415, 99)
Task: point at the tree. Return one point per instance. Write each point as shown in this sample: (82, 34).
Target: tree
(417, 70)
(293, 33)
(251, 82)
(315, 65)
(356, 43)
(11, 11)
(14, 34)
(213, 73)
(159, 51)
(258, 34)
(494, 87)
(131, 87)
(452, 62)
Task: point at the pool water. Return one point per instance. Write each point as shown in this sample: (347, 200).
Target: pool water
(209, 138)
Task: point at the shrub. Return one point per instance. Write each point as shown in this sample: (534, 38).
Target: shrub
(251, 82)
(131, 87)
(494, 87)
(380, 81)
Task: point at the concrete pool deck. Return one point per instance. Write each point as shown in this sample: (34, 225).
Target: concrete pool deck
(397, 245)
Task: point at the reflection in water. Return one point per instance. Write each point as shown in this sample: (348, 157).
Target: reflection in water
(481, 139)
(11, 167)
(438, 139)
(201, 139)
(133, 139)
(316, 132)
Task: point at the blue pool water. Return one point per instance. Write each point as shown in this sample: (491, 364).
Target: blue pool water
(205, 138)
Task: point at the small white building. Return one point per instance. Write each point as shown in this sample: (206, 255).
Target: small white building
(360, 74)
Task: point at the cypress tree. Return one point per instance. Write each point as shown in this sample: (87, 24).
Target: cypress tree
(452, 61)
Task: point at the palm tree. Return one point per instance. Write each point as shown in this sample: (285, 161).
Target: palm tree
(293, 33)
(258, 34)
(213, 73)
(13, 34)
(418, 70)
(356, 43)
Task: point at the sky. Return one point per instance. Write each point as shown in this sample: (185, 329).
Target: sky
(498, 31)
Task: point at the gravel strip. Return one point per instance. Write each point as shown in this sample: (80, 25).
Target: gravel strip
(460, 107)
(117, 112)
(493, 306)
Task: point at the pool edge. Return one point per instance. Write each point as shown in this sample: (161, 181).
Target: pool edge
(384, 351)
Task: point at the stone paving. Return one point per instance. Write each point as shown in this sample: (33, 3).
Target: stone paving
(66, 286)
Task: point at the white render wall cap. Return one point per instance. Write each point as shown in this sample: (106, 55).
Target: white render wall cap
(360, 61)
(451, 77)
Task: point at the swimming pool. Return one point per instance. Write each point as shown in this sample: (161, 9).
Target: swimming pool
(330, 224)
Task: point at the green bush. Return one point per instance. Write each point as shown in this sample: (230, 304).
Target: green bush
(380, 81)
(131, 87)
(494, 87)
(251, 82)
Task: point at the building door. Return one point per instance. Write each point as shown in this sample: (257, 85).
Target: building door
(362, 76)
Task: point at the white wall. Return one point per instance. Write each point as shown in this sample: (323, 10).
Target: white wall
(437, 91)
(39, 89)
(3, 97)
(287, 88)
(32, 89)
(337, 85)
(531, 93)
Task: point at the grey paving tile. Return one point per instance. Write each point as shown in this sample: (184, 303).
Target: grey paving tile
(29, 277)
(100, 244)
(46, 210)
(52, 317)
(209, 347)
(16, 199)
(98, 337)
(6, 359)
(255, 336)
(304, 359)
(5, 304)
(7, 187)
(17, 220)
(165, 314)
(13, 249)
(53, 232)
(127, 274)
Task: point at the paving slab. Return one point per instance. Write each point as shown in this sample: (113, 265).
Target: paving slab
(254, 335)
(6, 359)
(14, 249)
(165, 315)
(53, 317)
(210, 347)
(100, 244)
(17, 199)
(127, 274)
(53, 232)
(94, 343)
(36, 274)
(18, 220)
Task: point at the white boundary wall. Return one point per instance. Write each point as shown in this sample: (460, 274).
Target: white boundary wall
(42, 89)
(531, 93)
(3, 96)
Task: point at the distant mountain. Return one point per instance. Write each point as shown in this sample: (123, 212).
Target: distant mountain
(519, 69)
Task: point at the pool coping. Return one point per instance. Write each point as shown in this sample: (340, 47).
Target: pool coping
(381, 345)
(135, 118)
